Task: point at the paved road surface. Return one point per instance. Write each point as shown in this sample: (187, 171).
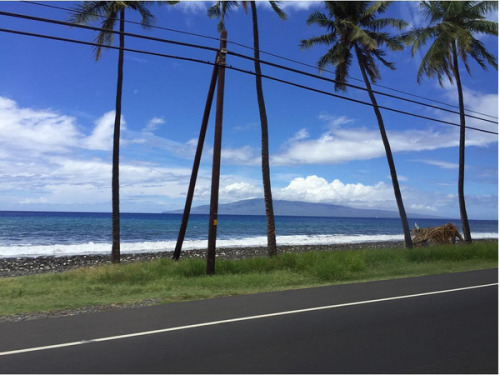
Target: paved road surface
(393, 326)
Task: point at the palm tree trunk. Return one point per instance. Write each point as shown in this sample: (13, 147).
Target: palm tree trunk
(388, 152)
(461, 161)
(115, 183)
(266, 175)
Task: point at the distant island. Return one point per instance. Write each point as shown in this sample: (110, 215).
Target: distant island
(291, 208)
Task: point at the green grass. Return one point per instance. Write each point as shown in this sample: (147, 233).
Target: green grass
(168, 281)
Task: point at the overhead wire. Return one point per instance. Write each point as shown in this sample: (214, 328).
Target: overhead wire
(25, 33)
(64, 23)
(279, 57)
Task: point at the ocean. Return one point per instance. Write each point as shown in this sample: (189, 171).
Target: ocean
(32, 234)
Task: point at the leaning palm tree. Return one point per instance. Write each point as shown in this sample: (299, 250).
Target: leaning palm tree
(353, 30)
(220, 9)
(453, 26)
(110, 12)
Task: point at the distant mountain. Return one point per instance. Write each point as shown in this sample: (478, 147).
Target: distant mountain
(290, 208)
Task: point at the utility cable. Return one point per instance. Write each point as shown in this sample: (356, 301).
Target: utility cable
(279, 66)
(354, 86)
(236, 69)
(356, 100)
(128, 21)
(64, 23)
(281, 57)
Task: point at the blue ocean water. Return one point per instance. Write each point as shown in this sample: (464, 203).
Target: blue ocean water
(73, 233)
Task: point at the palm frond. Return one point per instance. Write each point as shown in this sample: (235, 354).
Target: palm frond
(220, 10)
(394, 43)
(148, 18)
(483, 7)
(381, 23)
(437, 60)
(326, 39)
(340, 57)
(432, 10)
(280, 12)
(354, 24)
(479, 53)
(456, 23)
(215, 10)
(379, 54)
(482, 27)
(87, 11)
(321, 20)
(418, 37)
(376, 7)
(362, 37)
(105, 37)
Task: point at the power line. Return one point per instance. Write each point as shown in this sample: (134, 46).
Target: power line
(61, 39)
(64, 23)
(128, 21)
(357, 101)
(354, 86)
(236, 69)
(293, 61)
(360, 80)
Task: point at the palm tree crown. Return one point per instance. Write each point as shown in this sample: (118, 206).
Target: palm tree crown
(221, 8)
(89, 11)
(353, 24)
(453, 24)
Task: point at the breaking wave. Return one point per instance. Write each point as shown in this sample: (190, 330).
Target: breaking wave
(91, 248)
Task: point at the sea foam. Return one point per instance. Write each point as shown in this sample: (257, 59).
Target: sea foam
(92, 248)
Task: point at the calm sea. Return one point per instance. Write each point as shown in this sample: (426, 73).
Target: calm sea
(31, 234)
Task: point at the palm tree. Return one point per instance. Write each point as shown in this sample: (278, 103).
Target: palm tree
(220, 9)
(453, 26)
(353, 30)
(112, 11)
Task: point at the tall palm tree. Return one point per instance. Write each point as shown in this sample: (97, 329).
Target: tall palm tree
(353, 29)
(110, 12)
(453, 26)
(220, 9)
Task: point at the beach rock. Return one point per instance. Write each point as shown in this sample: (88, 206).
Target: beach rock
(12, 267)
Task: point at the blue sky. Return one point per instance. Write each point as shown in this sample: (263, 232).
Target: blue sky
(57, 110)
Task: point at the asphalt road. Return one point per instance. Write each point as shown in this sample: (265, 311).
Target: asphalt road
(431, 324)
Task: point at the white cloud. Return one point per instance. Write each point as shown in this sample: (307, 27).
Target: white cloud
(422, 207)
(193, 6)
(36, 131)
(293, 5)
(240, 190)
(338, 145)
(28, 131)
(300, 135)
(335, 121)
(439, 163)
(245, 155)
(319, 190)
(153, 124)
(102, 135)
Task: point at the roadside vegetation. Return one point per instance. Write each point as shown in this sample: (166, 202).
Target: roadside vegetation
(167, 281)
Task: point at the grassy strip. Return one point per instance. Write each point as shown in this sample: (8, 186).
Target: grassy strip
(169, 281)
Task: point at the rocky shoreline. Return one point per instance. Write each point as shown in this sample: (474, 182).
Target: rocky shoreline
(12, 267)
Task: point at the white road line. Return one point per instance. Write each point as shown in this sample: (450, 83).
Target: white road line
(164, 330)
